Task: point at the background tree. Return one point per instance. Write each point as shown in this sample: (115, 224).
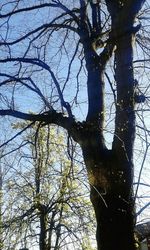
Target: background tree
(44, 196)
(81, 53)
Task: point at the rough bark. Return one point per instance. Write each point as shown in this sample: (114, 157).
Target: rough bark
(112, 201)
(110, 172)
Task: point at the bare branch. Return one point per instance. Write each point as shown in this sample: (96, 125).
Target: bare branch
(41, 6)
(143, 230)
(22, 81)
(42, 64)
(142, 209)
(51, 117)
(42, 27)
(16, 135)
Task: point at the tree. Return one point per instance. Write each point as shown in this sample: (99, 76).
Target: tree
(45, 196)
(71, 47)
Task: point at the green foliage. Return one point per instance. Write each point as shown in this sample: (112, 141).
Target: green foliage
(45, 182)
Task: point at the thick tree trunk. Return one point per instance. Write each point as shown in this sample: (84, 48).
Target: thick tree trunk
(112, 199)
(114, 215)
(110, 172)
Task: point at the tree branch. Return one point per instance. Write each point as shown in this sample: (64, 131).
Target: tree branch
(40, 6)
(96, 21)
(22, 81)
(16, 135)
(42, 27)
(142, 209)
(51, 117)
(143, 230)
(28, 9)
(42, 64)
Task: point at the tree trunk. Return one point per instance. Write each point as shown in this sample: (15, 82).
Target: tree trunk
(43, 228)
(114, 215)
(112, 199)
(110, 172)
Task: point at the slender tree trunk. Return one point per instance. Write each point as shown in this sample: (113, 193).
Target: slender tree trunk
(43, 231)
(50, 231)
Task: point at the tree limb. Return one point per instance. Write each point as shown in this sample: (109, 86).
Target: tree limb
(50, 117)
(143, 231)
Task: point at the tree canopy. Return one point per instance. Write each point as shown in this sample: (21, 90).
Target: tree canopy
(84, 66)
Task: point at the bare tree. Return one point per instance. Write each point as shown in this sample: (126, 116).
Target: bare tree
(74, 55)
